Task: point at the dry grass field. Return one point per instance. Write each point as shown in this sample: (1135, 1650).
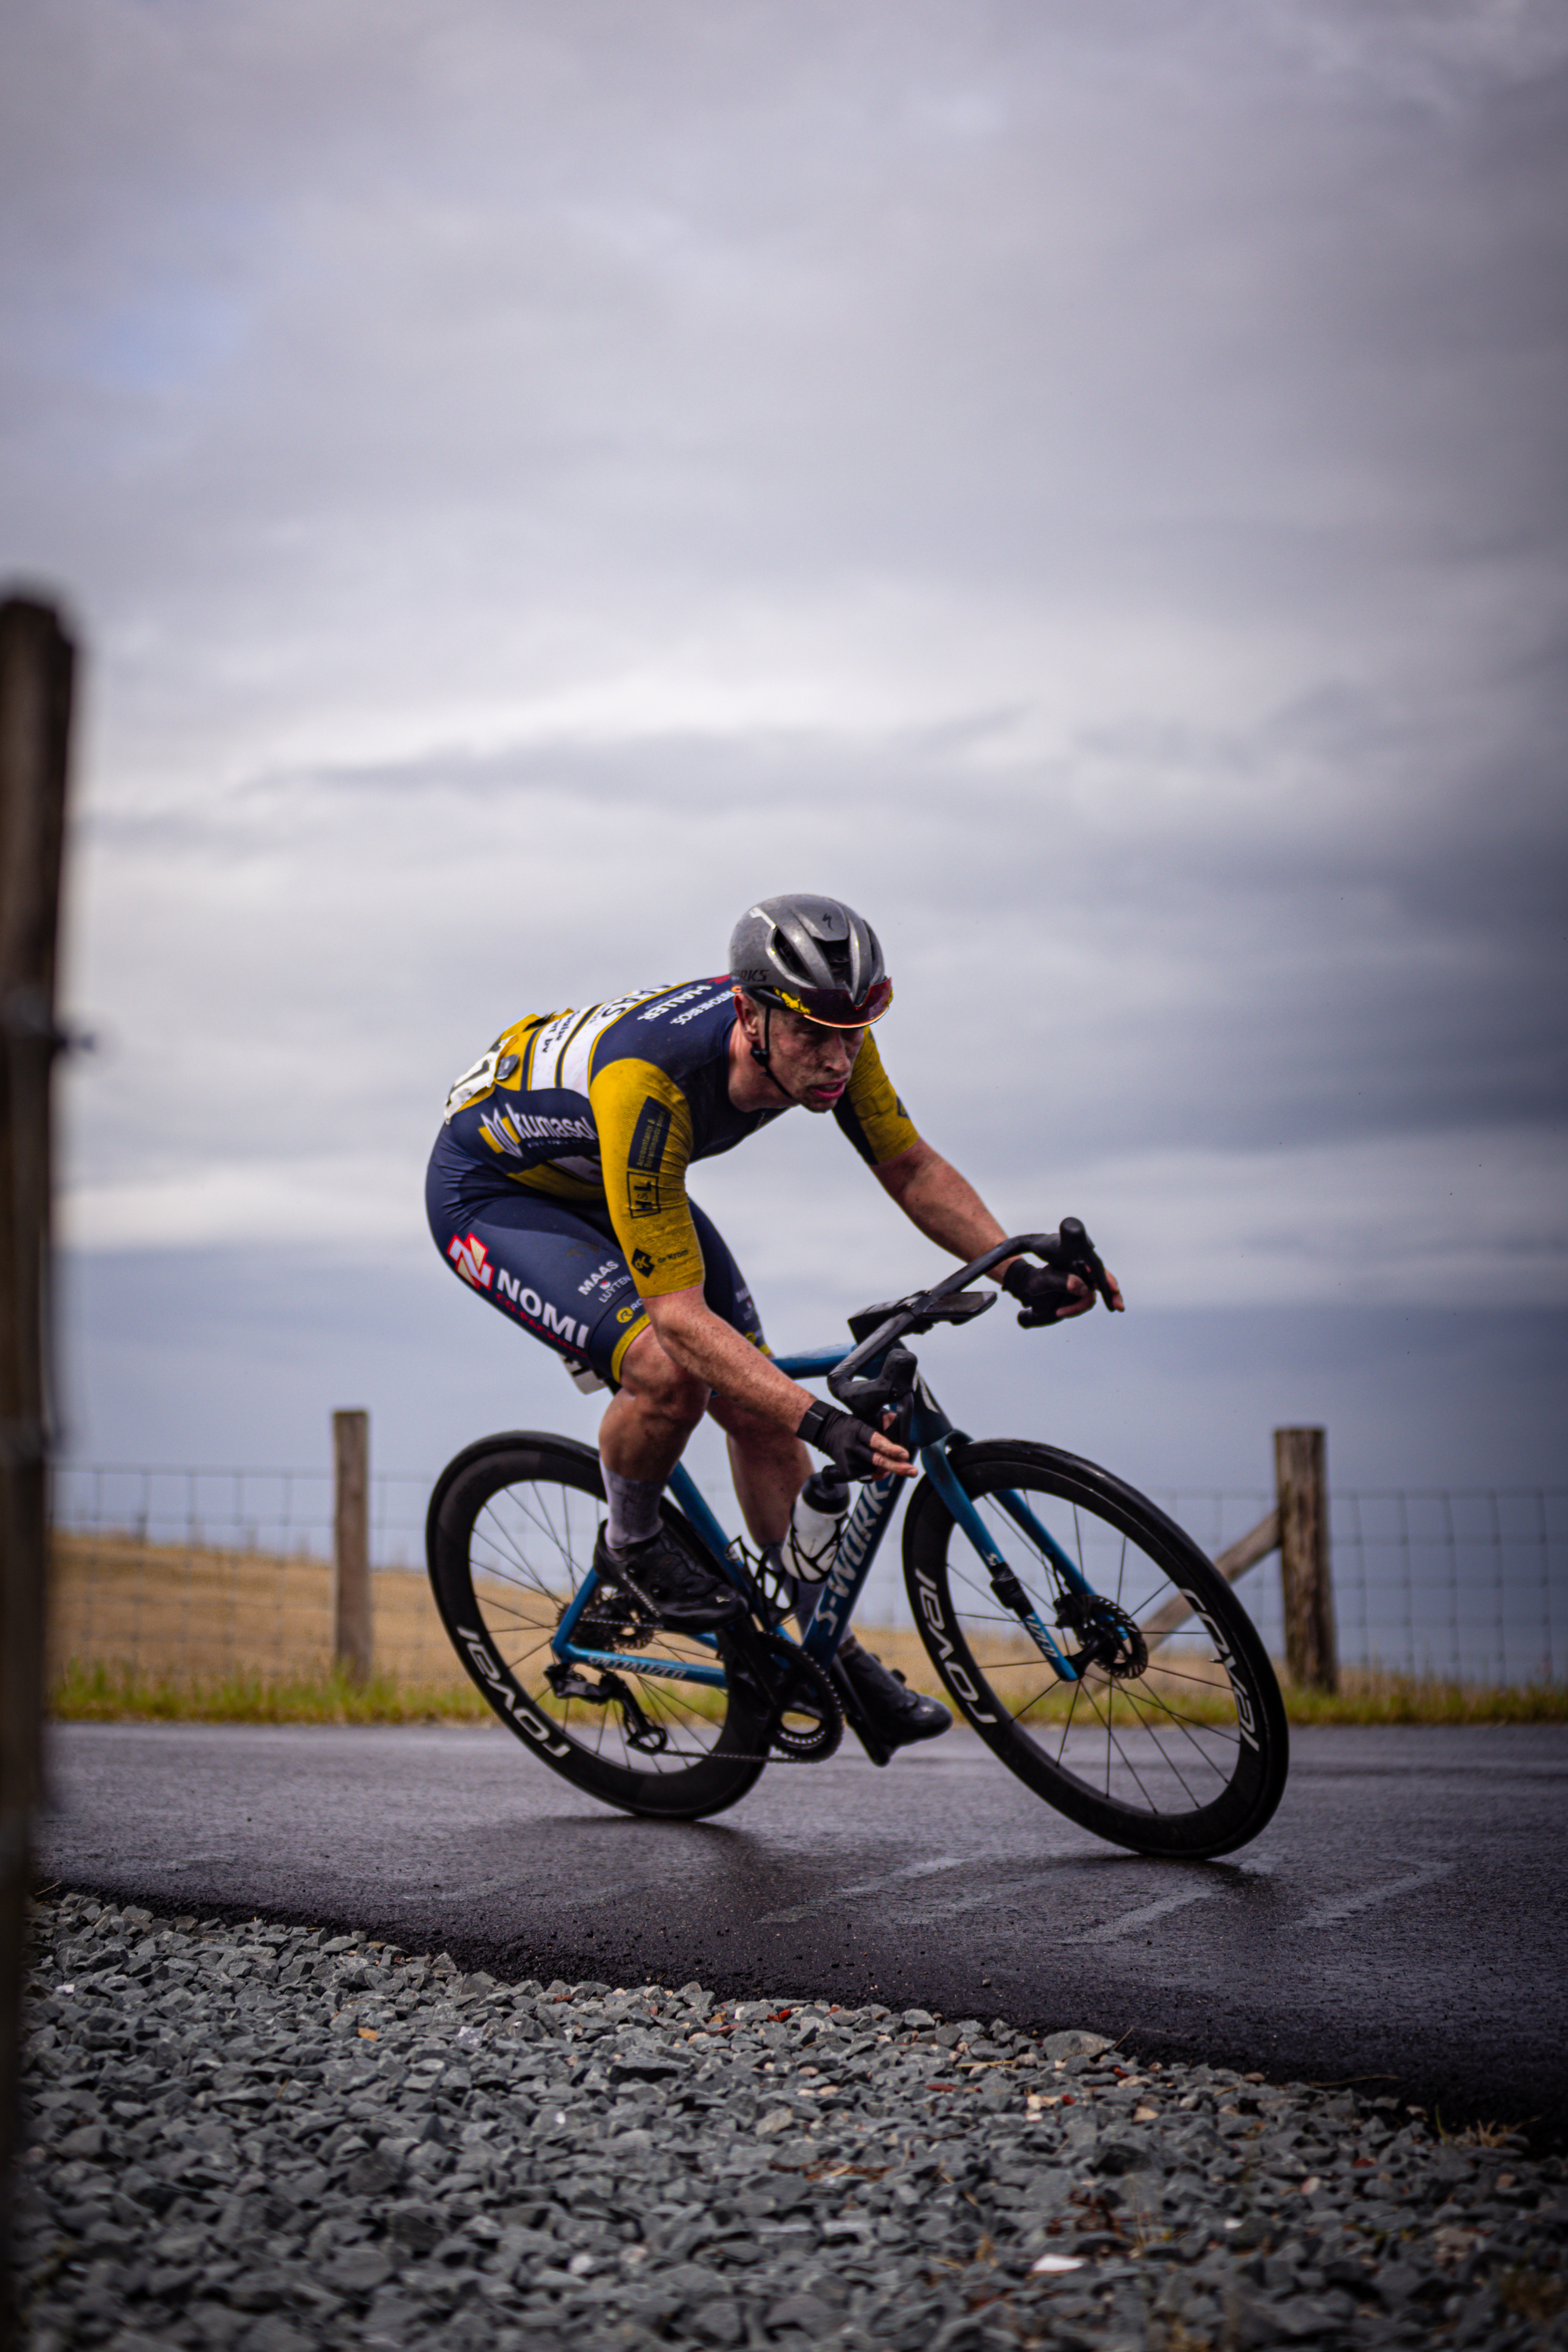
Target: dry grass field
(167, 1630)
(139, 1629)
(200, 1615)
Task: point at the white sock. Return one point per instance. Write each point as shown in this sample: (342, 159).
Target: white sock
(633, 1510)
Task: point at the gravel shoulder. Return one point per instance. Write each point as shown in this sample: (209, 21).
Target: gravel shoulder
(269, 2138)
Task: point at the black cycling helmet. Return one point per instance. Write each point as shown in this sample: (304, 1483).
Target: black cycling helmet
(812, 956)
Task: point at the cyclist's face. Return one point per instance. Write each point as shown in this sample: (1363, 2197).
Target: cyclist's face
(810, 1062)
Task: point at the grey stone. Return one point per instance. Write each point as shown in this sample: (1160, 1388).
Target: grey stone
(392, 2319)
(276, 2334)
(719, 2321)
(509, 2229)
(1398, 2283)
(260, 2290)
(216, 2323)
(1074, 2045)
(809, 2313)
(373, 2173)
(361, 2269)
(639, 2067)
(417, 2227)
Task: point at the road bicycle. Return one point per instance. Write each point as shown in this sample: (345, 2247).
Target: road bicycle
(1078, 1631)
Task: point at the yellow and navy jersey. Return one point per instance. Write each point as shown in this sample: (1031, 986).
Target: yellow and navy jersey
(610, 1105)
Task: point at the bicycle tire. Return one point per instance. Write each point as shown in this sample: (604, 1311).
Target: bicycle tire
(509, 1538)
(1185, 1758)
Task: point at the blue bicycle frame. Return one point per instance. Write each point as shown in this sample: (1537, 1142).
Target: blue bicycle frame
(930, 1434)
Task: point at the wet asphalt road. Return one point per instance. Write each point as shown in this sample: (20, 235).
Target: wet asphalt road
(1403, 1922)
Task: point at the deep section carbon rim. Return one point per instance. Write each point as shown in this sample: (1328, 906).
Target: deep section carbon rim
(510, 1541)
(1174, 1739)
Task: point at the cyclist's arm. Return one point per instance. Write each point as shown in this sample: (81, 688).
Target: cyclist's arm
(644, 1136)
(703, 1343)
(946, 1208)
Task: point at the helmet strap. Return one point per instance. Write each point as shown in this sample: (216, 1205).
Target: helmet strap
(763, 1054)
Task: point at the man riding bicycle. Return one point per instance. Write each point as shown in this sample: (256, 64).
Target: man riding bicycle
(557, 1191)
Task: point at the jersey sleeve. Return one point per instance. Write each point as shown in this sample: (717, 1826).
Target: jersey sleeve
(644, 1124)
(870, 1113)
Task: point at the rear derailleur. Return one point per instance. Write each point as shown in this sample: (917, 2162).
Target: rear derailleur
(567, 1681)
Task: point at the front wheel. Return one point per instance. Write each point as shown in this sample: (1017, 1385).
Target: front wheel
(1174, 1740)
(509, 1541)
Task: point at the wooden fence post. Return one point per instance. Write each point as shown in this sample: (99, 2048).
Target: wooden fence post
(36, 663)
(1300, 1473)
(350, 1547)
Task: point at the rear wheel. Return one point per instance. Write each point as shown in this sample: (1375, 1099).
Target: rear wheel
(509, 1541)
(1173, 1741)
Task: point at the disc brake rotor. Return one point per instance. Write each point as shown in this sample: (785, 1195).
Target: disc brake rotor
(1110, 1638)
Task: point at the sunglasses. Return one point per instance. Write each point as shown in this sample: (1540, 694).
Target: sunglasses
(835, 1008)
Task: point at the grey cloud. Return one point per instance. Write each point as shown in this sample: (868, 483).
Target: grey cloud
(1208, 973)
(1086, 483)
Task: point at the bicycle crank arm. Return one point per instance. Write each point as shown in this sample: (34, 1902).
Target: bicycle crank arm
(855, 1715)
(781, 1680)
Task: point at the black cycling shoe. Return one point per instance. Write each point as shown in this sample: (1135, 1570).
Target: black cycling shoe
(668, 1583)
(896, 1714)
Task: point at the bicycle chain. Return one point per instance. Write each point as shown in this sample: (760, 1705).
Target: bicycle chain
(812, 1748)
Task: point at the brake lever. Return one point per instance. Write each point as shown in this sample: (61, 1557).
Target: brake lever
(892, 1391)
(1073, 1253)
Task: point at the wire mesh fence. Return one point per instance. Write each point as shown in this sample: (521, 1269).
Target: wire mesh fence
(187, 1574)
(181, 1573)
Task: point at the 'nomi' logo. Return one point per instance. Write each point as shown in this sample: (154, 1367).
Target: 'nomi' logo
(468, 1255)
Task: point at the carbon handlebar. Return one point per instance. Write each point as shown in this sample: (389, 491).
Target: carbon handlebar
(1069, 1250)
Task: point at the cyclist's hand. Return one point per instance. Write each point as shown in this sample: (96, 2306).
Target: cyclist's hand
(1082, 1296)
(858, 1449)
(1046, 1296)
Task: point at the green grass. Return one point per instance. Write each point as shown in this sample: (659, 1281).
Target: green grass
(1403, 1698)
(102, 1694)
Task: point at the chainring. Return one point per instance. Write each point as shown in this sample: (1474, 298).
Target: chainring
(804, 1691)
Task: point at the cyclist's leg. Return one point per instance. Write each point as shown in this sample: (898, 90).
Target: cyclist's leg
(556, 1269)
(645, 1428)
(769, 1465)
(553, 1268)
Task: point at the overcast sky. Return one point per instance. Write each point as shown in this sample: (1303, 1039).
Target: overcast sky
(1087, 484)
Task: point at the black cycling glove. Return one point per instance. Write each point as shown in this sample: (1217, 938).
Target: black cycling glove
(845, 1440)
(1039, 1290)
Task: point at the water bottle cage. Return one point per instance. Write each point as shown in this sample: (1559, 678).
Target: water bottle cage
(809, 1566)
(771, 1581)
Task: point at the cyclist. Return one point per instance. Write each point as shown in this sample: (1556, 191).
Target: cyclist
(557, 1191)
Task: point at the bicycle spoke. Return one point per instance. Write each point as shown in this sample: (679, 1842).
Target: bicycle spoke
(1147, 1738)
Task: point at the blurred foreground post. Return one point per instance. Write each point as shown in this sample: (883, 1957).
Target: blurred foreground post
(1300, 1473)
(35, 667)
(350, 1544)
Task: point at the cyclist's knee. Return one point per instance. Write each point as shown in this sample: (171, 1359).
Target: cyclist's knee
(657, 1385)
